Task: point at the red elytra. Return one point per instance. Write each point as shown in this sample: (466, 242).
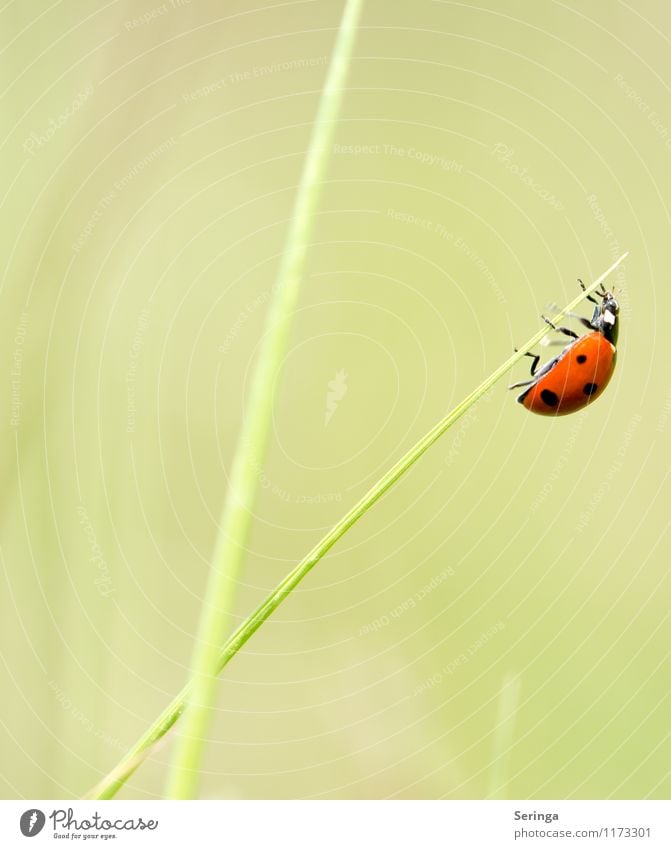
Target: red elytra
(583, 369)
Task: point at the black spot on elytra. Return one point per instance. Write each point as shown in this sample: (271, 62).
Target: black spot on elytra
(581, 358)
(590, 388)
(549, 397)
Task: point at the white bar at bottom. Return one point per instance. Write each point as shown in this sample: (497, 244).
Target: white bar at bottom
(336, 824)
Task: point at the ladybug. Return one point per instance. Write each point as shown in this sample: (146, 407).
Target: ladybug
(583, 369)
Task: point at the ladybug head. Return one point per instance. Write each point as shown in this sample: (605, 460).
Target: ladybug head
(605, 316)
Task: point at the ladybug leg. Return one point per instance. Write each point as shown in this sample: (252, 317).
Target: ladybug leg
(590, 297)
(521, 383)
(534, 366)
(535, 359)
(565, 330)
(581, 318)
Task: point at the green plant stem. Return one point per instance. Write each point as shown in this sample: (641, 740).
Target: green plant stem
(234, 526)
(504, 730)
(111, 784)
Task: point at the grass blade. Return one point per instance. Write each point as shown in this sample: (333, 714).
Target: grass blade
(230, 546)
(504, 731)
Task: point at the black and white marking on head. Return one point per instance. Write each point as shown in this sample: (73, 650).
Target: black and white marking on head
(605, 317)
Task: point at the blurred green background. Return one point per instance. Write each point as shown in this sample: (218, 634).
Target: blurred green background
(499, 623)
